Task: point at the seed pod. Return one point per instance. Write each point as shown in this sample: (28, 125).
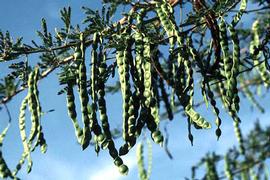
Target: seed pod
(83, 93)
(40, 136)
(140, 162)
(226, 104)
(197, 118)
(235, 68)
(239, 14)
(20, 164)
(72, 111)
(33, 107)
(147, 73)
(228, 172)
(4, 169)
(138, 37)
(206, 89)
(228, 64)
(131, 111)
(239, 137)
(215, 110)
(26, 146)
(165, 13)
(122, 75)
(254, 44)
(95, 87)
(190, 136)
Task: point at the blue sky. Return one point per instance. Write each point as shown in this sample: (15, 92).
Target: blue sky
(64, 159)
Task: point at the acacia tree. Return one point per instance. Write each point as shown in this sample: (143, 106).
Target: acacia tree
(154, 57)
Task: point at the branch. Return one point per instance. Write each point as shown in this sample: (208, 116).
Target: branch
(43, 75)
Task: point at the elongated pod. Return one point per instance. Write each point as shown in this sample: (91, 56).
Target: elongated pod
(256, 55)
(4, 169)
(80, 56)
(72, 111)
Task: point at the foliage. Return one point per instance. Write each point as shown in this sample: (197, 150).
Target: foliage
(206, 46)
(237, 165)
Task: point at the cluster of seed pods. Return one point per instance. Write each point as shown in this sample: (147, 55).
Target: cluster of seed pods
(141, 80)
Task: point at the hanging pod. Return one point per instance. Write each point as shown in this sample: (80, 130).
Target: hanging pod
(4, 169)
(32, 100)
(40, 136)
(122, 76)
(143, 173)
(239, 136)
(26, 146)
(227, 168)
(235, 68)
(206, 89)
(196, 117)
(150, 101)
(72, 111)
(95, 127)
(33, 106)
(239, 14)
(79, 56)
(256, 54)
(228, 62)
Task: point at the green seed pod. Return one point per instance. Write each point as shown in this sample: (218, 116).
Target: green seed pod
(138, 37)
(254, 44)
(197, 118)
(239, 136)
(239, 14)
(206, 89)
(215, 110)
(33, 106)
(228, 172)
(190, 136)
(227, 105)
(228, 64)
(20, 164)
(4, 169)
(140, 162)
(72, 112)
(26, 146)
(122, 75)
(235, 68)
(165, 13)
(95, 87)
(147, 73)
(40, 136)
(84, 96)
